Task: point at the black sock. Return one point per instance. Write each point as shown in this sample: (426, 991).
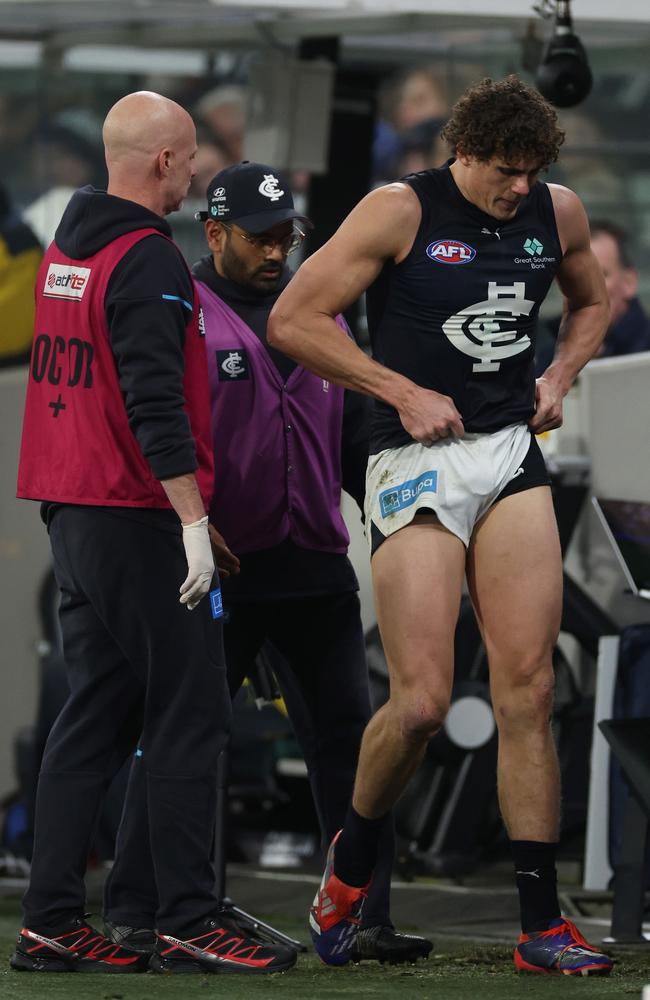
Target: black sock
(536, 882)
(355, 855)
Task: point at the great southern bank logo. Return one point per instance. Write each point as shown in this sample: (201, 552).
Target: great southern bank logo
(450, 252)
(533, 247)
(398, 497)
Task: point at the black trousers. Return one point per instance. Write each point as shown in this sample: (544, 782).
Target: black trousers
(325, 688)
(146, 677)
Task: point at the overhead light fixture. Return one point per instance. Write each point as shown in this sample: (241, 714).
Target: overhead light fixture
(563, 75)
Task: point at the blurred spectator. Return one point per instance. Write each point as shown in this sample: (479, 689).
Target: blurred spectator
(421, 147)
(583, 167)
(629, 329)
(413, 109)
(63, 155)
(18, 119)
(421, 97)
(223, 110)
(212, 156)
(62, 159)
(386, 149)
(44, 214)
(20, 256)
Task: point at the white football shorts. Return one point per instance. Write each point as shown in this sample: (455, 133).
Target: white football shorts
(457, 478)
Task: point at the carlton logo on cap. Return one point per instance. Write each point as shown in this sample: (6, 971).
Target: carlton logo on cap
(269, 188)
(255, 196)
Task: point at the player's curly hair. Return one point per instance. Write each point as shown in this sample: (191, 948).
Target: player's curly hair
(507, 119)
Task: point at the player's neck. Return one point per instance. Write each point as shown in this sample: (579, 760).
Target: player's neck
(463, 182)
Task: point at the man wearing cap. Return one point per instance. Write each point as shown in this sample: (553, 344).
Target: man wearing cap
(285, 441)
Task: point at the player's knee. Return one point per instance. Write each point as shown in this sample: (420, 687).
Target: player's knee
(422, 718)
(527, 701)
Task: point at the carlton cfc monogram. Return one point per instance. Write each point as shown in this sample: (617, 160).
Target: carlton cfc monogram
(269, 188)
(232, 365)
(488, 329)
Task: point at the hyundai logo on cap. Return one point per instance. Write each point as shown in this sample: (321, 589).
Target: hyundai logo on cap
(254, 195)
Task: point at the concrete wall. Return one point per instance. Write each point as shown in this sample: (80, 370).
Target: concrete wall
(24, 559)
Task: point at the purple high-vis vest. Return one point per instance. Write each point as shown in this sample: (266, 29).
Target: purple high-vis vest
(277, 445)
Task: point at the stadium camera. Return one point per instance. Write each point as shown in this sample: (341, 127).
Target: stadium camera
(563, 75)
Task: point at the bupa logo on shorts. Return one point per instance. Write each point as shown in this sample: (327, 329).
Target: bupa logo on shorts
(232, 366)
(450, 252)
(66, 281)
(398, 497)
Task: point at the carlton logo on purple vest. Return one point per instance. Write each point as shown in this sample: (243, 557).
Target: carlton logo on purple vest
(233, 365)
(450, 252)
(66, 281)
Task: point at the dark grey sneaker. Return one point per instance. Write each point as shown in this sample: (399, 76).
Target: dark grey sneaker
(218, 945)
(140, 939)
(385, 944)
(73, 947)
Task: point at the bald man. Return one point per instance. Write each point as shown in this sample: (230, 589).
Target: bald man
(117, 447)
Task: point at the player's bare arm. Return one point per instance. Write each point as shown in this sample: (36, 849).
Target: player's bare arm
(382, 227)
(586, 309)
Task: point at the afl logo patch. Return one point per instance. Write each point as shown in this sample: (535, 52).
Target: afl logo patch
(450, 252)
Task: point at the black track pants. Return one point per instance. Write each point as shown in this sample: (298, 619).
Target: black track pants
(324, 681)
(146, 677)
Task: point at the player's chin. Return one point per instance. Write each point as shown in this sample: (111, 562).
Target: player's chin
(266, 283)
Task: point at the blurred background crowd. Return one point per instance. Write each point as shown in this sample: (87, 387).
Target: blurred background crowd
(50, 140)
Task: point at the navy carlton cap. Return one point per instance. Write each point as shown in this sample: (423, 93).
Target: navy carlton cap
(253, 195)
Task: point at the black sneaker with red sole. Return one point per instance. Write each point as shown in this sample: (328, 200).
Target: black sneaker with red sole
(219, 946)
(74, 947)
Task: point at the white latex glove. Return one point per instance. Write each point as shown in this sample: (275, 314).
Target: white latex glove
(200, 563)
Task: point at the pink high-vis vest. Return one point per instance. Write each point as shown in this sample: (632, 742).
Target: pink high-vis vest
(77, 446)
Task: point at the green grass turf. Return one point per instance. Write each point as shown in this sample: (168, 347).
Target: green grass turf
(456, 970)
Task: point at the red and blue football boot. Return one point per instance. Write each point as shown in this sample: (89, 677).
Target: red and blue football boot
(335, 915)
(74, 947)
(560, 950)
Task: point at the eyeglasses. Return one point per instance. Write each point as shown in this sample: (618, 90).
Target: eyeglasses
(287, 244)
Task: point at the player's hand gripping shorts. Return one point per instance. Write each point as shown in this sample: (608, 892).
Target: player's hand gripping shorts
(456, 478)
